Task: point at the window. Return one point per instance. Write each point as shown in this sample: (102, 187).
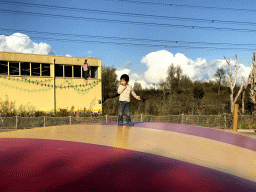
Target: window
(25, 68)
(35, 69)
(3, 68)
(94, 72)
(58, 70)
(14, 68)
(68, 70)
(46, 70)
(77, 71)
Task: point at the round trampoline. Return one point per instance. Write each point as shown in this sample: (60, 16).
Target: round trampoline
(145, 157)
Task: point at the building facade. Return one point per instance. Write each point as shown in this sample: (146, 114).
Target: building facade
(49, 83)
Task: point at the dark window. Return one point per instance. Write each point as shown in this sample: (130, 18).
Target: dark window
(25, 68)
(14, 68)
(68, 70)
(3, 67)
(35, 68)
(46, 70)
(94, 72)
(77, 71)
(58, 70)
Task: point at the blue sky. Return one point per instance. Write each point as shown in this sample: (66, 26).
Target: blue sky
(146, 64)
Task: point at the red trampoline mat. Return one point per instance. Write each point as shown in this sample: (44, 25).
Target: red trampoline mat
(53, 165)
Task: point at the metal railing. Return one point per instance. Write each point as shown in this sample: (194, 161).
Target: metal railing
(223, 121)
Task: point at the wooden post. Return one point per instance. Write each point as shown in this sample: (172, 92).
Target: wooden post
(54, 89)
(16, 122)
(81, 71)
(41, 69)
(72, 71)
(19, 69)
(235, 118)
(8, 68)
(225, 118)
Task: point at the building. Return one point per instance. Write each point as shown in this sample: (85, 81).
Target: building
(49, 83)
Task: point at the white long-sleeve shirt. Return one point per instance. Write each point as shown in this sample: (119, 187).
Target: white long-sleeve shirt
(125, 93)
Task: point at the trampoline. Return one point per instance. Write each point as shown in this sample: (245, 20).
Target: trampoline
(145, 157)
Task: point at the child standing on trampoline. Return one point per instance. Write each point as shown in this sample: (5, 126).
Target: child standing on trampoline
(86, 68)
(124, 100)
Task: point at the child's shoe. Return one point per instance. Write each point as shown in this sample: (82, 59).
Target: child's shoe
(130, 124)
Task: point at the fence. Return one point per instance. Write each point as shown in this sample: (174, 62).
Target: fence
(223, 121)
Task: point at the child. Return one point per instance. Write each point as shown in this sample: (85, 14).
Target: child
(86, 68)
(124, 100)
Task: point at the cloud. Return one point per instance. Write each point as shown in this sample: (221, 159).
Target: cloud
(120, 72)
(127, 64)
(21, 43)
(133, 77)
(158, 63)
(90, 53)
(68, 56)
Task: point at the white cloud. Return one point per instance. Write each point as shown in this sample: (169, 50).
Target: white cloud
(133, 77)
(90, 53)
(21, 43)
(120, 72)
(68, 56)
(200, 69)
(158, 63)
(127, 64)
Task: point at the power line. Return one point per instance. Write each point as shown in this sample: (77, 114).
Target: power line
(128, 39)
(177, 5)
(134, 44)
(128, 14)
(129, 22)
(83, 41)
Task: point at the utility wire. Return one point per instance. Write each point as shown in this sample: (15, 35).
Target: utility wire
(136, 44)
(127, 14)
(128, 39)
(127, 22)
(177, 5)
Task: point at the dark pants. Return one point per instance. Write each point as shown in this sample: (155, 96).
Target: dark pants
(86, 74)
(124, 106)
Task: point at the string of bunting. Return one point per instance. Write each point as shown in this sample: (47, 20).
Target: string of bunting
(83, 91)
(26, 80)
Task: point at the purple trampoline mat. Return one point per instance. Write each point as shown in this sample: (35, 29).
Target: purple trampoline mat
(209, 133)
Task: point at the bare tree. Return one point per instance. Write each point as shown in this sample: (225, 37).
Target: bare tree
(232, 85)
(225, 82)
(137, 86)
(253, 79)
(178, 77)
(185, 82)
(163, 86)
(171, 75)
(220, 74)
(243, 95)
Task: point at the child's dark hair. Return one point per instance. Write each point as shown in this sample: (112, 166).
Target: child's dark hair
(125, 77)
